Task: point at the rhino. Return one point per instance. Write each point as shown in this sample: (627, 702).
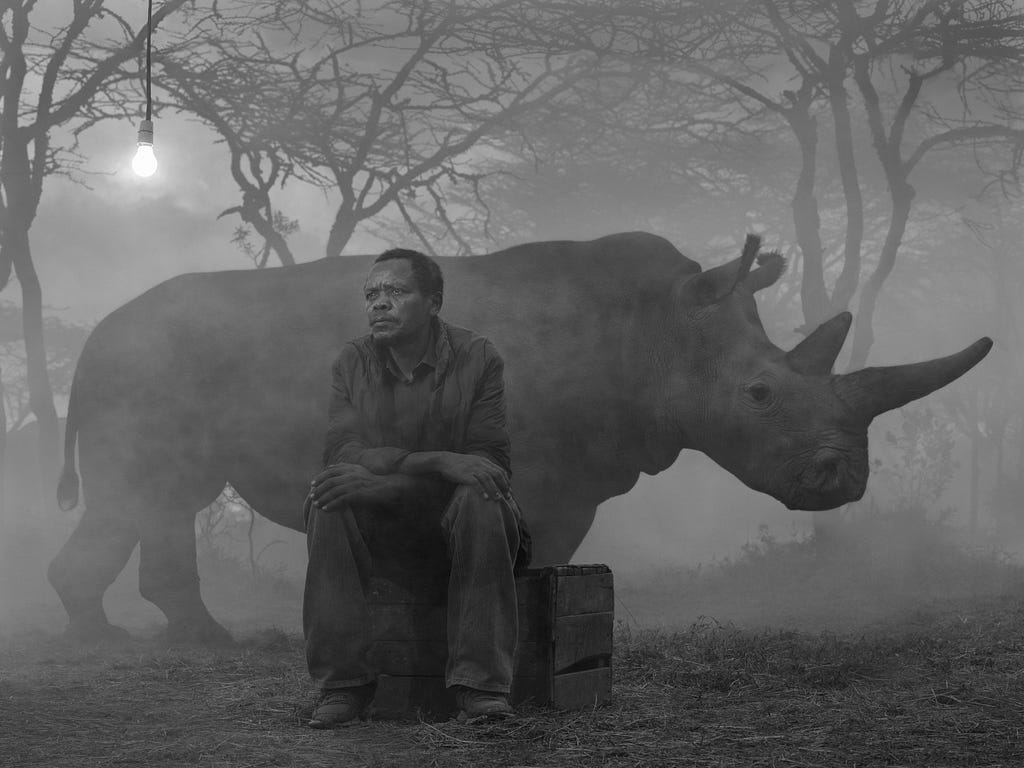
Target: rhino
(620, 352)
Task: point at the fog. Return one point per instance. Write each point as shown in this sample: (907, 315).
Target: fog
(98, 246)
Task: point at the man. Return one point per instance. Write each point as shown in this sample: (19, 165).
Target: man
(416, 464)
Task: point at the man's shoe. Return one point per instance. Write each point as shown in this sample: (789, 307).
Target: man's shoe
(475, 705)
(339, 707)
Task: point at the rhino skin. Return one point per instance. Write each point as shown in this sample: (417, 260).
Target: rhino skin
(620, 352)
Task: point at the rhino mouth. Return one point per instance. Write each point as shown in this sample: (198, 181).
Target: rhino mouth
(810, 501)
(828, 481)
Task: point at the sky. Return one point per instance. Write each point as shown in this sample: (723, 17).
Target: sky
(98, 246)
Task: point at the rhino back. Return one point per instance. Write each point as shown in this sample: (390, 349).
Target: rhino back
(235, 366)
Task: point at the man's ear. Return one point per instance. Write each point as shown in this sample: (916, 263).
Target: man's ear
(436, 301)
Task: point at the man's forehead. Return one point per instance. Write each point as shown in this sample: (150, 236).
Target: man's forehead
(392, 271)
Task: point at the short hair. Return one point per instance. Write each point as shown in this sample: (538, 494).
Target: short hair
(425, 270)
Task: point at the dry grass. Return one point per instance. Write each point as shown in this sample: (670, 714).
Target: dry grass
(947, 691)
(879, 570)
(939, 685)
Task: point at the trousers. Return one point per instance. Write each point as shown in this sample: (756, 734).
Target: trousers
(484, 544)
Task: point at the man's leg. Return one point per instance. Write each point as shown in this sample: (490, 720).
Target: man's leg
(335, 616)
(483, 622)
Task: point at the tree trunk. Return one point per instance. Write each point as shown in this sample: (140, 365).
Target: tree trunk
(1020, 449)
(342, 229)
(280, 246)
(3, 453)
(849, 277)
(975, 480)
(36, 373)
(257, 211)
(863, 327)
(807, 224)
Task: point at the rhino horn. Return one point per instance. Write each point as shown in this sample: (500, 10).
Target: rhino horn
(872, 391)
(815, 355)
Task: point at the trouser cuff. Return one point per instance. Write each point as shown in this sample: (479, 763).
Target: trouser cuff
(489, 687)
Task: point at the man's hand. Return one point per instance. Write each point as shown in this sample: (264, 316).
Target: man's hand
(468, 469)
(343, 484)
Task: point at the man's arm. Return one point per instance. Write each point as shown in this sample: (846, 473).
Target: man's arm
(485, 459)
(353, 471)
(346, 440)
(340, 485)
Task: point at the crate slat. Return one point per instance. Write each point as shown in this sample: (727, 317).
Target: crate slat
(582, 640)
(591, 593)
(576, 690)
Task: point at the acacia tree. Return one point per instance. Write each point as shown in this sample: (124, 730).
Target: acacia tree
(59, 73)
(896, 81)
(379, 104)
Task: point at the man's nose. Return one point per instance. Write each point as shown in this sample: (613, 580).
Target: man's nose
(381, 302)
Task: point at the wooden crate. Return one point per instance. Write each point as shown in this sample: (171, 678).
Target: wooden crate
(566, 617)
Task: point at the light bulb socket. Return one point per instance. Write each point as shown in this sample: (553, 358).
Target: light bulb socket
(146, 132)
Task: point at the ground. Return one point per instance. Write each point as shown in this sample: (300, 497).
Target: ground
(813, 659)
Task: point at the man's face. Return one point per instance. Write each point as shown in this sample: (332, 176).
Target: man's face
(396, 308)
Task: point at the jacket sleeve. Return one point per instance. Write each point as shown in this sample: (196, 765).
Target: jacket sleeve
(487, 431)
(348, 439)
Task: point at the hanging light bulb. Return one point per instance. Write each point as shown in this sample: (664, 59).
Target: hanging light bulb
(144, 163)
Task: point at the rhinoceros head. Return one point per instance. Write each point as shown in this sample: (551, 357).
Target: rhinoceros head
(782, 422)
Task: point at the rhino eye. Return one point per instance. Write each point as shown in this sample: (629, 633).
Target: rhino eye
(759, 392)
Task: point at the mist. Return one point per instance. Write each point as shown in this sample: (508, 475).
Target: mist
(99, 245)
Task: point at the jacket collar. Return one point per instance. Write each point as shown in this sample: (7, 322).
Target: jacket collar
(438, 354)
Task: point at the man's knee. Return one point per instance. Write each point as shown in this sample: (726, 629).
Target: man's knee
(468, 509)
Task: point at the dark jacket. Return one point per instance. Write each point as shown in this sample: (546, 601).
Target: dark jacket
(466, 413)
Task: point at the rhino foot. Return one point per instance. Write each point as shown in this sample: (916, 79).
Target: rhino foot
(197, 633)
(96, 633)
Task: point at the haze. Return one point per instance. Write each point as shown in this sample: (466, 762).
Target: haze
(97, 246)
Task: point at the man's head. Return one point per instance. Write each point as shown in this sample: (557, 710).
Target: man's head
(404, 292)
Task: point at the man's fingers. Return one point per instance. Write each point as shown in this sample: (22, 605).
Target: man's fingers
(334, 471)
(336, 492)
(500, 481)
(480, 481)
(488, 487)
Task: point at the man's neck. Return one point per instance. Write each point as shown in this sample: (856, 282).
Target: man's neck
(408, 354)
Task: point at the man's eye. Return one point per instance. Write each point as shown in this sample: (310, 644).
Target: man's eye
(371, 295)
(397, 291)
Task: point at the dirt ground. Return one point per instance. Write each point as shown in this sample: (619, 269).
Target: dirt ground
(944, 690)
(786, 656)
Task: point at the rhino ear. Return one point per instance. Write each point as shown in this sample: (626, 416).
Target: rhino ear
(713, 285)
(770, 267)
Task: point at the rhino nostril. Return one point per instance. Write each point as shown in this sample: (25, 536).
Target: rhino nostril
(829, 468)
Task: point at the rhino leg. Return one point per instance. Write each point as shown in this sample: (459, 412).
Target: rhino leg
(169, 576)
(558, 531)
(86, 565)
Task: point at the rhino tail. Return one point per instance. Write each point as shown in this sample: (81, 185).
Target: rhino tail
(67, 484)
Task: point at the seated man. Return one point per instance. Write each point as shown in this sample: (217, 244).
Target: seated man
(416, 465)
